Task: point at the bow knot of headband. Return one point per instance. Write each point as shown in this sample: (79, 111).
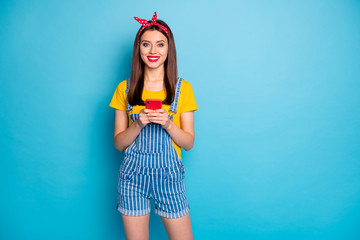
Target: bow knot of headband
(145, 24)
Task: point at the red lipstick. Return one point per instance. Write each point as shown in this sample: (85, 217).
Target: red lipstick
(153, 58)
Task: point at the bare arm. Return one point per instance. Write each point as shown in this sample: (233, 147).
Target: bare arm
(124, 135)
(183, 136)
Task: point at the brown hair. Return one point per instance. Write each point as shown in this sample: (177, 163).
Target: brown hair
(136, 83)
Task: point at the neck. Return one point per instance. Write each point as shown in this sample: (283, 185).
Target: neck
(154, 79)
(154, 75)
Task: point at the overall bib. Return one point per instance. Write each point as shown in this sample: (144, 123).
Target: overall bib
(152, 169)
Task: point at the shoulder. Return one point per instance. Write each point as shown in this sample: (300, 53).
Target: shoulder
(185, 86)
(187, 98)
(121, 87)
(118, 100)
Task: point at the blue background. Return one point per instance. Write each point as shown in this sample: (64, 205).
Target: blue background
(277, 149)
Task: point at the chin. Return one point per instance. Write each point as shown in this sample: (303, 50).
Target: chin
(154, 66)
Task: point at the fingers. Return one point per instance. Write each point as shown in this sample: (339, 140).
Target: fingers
(143, 117)
(159, 116)
(162, 122)
(160, 110)
(144, 110)
(143, 120)
(157, 112)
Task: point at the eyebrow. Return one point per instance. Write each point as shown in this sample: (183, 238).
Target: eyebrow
(149, 41)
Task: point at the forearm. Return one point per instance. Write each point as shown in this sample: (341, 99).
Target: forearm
(180, 137)
(123, 139)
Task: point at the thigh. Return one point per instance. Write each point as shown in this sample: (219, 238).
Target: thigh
(136, 228)
(169, 193)
(178, 228)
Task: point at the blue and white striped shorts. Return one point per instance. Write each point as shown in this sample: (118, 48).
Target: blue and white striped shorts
(137, 185)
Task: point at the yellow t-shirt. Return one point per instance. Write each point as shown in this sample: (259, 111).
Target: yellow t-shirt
(186, 102)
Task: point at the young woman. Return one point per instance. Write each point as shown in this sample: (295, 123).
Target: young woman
(152, 139)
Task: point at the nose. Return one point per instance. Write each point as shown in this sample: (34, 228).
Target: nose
(152, 49)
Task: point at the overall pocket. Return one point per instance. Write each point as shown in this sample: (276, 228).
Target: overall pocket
(128, 171)
(176, 174)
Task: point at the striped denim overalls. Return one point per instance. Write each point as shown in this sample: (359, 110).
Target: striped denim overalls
(152, 169)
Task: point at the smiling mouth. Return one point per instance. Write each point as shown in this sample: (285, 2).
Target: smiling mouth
(153, 58)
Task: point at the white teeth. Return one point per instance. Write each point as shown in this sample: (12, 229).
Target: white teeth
(153, 58)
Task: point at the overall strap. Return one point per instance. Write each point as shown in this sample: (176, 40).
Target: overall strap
(173, 107)
(129, 107)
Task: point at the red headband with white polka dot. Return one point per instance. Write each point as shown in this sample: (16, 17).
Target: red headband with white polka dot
(145, 24)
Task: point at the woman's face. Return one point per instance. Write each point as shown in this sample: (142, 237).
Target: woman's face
(153, 48)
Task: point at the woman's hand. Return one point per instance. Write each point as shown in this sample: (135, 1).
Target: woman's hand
(144, 117)
(159, 116)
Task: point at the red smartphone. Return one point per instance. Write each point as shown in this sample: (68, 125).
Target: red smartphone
(153, 104)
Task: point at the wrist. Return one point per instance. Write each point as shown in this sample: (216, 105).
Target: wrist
(169, 125)
(138, 124)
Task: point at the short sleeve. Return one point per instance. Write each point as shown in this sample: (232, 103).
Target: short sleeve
(188, 98)
(118, 100)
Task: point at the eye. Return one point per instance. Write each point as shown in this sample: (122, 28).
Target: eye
(161, 45)
(145, 44)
